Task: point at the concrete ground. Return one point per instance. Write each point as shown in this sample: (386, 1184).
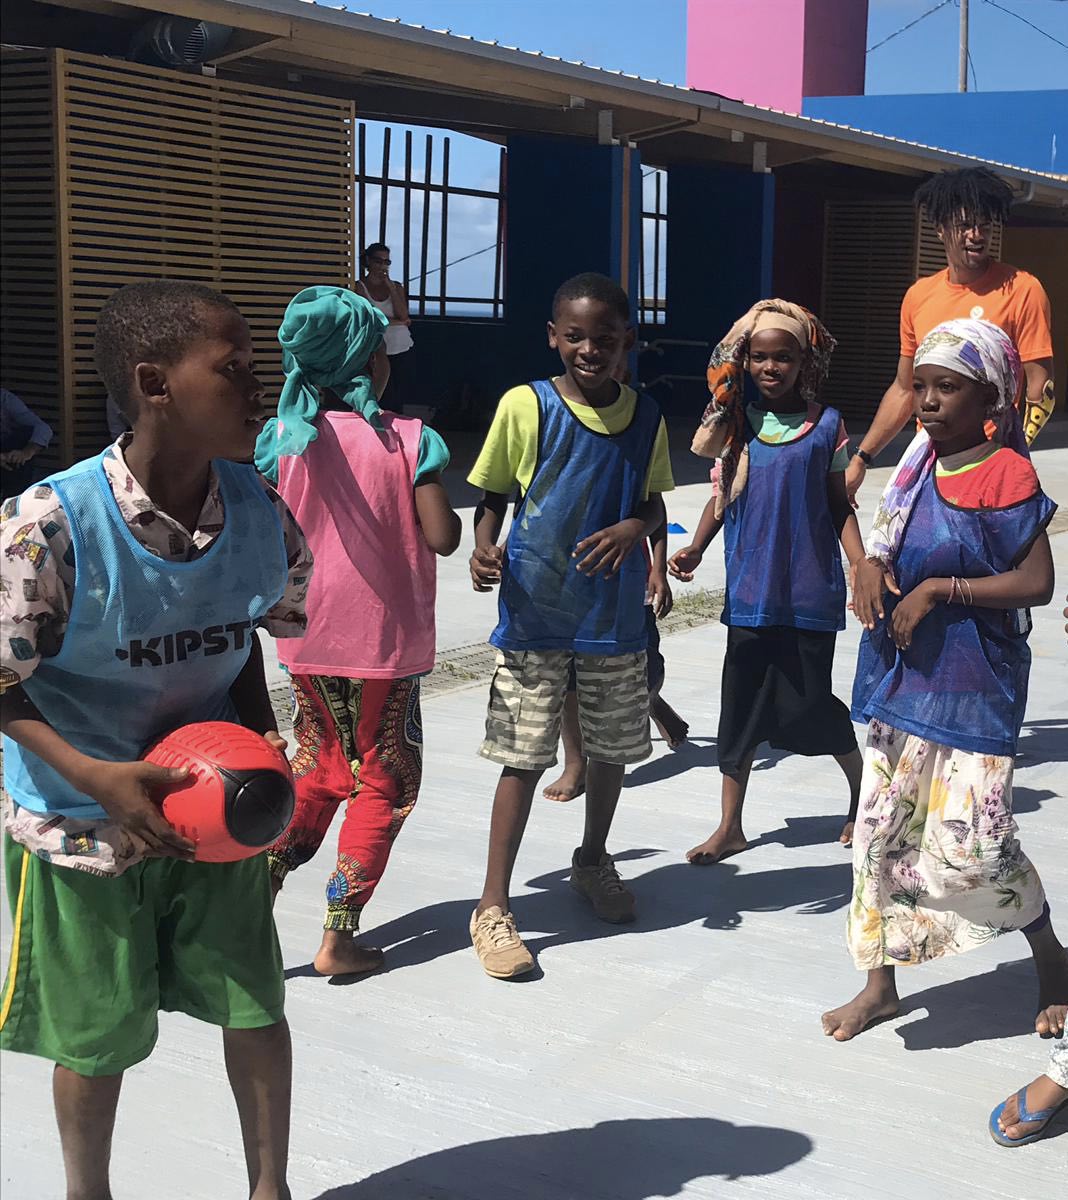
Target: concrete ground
(681, 1056)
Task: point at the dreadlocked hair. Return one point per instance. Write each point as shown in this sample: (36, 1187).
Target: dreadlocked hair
(974, 192)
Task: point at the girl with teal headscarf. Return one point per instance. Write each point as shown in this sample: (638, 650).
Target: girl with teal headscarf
(329, 336)
(364, 484)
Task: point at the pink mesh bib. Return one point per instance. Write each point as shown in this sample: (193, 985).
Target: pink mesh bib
(371, 600)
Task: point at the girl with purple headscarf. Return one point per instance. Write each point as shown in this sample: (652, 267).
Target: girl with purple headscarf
(957, 554)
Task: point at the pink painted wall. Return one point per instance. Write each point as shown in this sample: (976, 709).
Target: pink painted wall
(775, 52)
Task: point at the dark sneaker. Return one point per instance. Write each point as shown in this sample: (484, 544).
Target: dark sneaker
(603, 888)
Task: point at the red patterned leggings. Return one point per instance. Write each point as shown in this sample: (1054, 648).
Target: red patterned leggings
(359, 741)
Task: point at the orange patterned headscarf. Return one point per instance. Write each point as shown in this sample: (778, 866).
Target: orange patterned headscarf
(721, 432)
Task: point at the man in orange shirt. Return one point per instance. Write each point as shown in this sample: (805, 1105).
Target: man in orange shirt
(964, 206)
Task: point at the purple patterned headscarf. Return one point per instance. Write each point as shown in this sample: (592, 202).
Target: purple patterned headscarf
(978, 350)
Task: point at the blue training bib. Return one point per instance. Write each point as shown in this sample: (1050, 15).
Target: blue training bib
(584, 481)
(151, 645)
(963, 680)
(784, 565)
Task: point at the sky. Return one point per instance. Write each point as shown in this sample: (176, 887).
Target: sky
(648, 37)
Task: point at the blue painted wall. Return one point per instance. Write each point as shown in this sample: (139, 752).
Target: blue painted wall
(720, 231)
(1025, 129)
(719, 262)
(565, 215)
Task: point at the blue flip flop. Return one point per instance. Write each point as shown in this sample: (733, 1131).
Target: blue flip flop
(1025, 1117)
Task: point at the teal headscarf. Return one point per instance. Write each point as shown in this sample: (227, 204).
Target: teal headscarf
(327, 336)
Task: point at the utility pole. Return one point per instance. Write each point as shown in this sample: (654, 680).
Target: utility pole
(963, 86)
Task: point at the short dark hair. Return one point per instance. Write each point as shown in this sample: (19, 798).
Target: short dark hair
(974, 191)
(373, 248)
(592, 286)
(153, 321)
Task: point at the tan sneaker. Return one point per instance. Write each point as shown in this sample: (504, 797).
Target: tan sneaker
(498, 945)
(603, 888)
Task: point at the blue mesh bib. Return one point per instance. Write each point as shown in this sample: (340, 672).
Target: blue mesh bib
(963, 680)
(784, 565)
(584, 481)
(150, 645)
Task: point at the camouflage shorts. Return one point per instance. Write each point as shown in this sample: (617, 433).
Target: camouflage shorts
(527, 703)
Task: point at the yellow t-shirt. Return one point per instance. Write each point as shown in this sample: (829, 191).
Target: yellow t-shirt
(510, 451)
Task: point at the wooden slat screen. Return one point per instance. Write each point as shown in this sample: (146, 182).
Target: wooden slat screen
(868, 265)
(29, 272)
(179, 175)
(874, 250)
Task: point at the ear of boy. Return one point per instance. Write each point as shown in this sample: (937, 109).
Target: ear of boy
(149, 388)
(172, 470)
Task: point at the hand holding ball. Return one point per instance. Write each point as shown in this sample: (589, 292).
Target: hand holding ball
(238, 797)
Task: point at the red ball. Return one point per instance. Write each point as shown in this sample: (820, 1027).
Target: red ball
(238, 797)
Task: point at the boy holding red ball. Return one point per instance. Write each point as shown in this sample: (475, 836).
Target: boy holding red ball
(167, 531)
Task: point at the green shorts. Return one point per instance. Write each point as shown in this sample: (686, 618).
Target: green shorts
(95, 958)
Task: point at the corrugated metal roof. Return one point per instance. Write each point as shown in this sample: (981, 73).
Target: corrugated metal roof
(886, 137)
(677, 91)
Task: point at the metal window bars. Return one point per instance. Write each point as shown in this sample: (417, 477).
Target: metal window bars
(425, 215)
(652, 293)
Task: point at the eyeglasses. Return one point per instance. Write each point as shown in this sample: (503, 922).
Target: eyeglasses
(962, 227)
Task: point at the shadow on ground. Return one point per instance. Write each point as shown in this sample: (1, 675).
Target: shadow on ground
(982, 1008)
(1043, 742)
(1029, 800)
(669, 896)
(616, 1160)
(694, 752)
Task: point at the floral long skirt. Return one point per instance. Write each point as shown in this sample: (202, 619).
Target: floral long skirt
(937, 867)
(1058, 1061)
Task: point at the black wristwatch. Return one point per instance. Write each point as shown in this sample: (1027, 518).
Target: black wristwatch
(863, 455)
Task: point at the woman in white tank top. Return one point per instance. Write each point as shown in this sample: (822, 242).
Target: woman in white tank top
(391, 298)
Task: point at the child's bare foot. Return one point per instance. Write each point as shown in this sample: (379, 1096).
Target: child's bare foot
(874, 1003)
(722, 844)
(340, 954)
(1050, 1021)
(846, 836)
(672, 728)
(1041, 1095)
(1052, 995)
(571, 783)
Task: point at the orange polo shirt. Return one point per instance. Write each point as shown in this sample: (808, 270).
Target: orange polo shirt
(1005, 295)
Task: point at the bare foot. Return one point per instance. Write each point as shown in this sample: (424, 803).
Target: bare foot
(1050, 1021)
(869, 1006)
(846, 836)
(722, 844)
(1041, 1094)
(672, 728)
(571, 783)
(1052, 996)
(341, 955)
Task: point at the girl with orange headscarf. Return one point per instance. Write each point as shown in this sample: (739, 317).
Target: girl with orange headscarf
(779, 497)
